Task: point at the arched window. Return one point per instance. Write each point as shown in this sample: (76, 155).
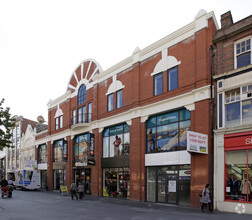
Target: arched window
(82, 95)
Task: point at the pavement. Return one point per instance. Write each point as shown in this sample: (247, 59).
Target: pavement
(31, 205)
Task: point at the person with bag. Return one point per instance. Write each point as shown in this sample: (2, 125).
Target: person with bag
(73, 189)
(205, 199)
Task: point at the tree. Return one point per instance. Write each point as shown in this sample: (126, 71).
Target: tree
(6, 124)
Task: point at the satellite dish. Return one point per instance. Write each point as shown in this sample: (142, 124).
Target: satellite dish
(40, 119)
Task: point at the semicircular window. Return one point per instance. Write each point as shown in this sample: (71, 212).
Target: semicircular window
(82, 95)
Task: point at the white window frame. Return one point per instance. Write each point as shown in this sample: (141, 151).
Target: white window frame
(224, 103)
(235, 52)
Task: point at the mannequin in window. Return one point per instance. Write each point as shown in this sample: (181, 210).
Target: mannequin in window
(117, 143)
(244, 189)
(151, 141)
(234, 187)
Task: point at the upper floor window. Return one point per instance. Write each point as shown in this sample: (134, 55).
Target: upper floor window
(238, 106)
(158, 84)
(173, 78)
(90, 112)
(82, 95)
(59, 122)
(243, 53)
(119, 99)
(110, 102)
(56, 123)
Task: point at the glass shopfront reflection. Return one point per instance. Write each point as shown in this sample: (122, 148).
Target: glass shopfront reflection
(169, 184)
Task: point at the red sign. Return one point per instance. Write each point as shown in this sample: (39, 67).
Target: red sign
(238, 140)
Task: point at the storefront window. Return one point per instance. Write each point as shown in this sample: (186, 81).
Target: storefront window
(42, 153)
(238, 175)
(83, 149)
(168, 132)
(116, 182)
(169, 184)
(116, 141)
(151, 184)
(58, 151)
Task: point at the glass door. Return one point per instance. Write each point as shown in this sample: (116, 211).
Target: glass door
(167, 188)
(171, 189)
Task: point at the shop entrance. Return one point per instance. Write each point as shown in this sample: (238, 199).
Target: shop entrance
(83, 176)
(167, 189)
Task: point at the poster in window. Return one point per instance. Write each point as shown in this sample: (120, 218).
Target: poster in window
(65, 151)
(172, 186)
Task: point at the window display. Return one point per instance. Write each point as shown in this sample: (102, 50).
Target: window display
(168, 132)
(116, 141)
(116, 182)
(238, 175)
(42, 153)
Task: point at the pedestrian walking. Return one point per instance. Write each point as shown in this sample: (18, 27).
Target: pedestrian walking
(81, 191)
(205, 199)
(73, 189)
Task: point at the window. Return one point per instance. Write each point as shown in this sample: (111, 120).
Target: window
(243, 53)
(74, 117)
(238, 175)
(238, 106)
(168, 132)
(82, 114)
(83, 149)
(158, 84)
(42, 153)
(110, 102)
(58, 150)
(82, 95)
(57, 123)
(89, 112)
(116, 141)
(119, 99)
(173, 78)
(61, 121)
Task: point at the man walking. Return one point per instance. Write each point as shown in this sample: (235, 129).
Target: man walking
(73, 189)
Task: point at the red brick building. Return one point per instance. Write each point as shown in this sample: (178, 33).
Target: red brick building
(122, 132)
(233, 133)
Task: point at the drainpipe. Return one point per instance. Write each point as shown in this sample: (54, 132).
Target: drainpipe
(211, 171)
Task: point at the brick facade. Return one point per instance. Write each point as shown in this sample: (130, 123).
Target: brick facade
(191, 54)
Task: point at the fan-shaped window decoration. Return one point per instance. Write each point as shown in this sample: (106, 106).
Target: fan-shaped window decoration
(82, 95)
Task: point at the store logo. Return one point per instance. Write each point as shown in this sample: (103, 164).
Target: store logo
(240, 208)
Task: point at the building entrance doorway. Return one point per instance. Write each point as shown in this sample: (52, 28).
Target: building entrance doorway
(167, 188)
(83, 176)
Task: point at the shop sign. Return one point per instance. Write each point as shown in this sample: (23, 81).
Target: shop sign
(81, 164)
(116, 130)
(238, 140)
(197, 142)
(30, 164)
(167, 118)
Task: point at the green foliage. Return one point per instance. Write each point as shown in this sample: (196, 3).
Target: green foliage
(6, 124)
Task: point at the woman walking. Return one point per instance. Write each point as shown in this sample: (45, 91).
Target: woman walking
(205, 199)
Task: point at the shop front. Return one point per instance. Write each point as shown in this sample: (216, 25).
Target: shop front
(59, 164)
(42, 165)
(238, 167)
(169, 184)
(168, 164)
(115, 162)
(83, 160)
(83, 176)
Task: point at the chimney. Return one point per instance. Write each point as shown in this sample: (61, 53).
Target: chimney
(226, 20)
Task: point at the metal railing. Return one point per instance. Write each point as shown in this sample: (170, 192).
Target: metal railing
(81, 118)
